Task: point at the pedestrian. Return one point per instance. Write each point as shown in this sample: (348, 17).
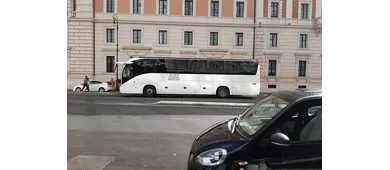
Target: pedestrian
(112, 83)
(86, 83)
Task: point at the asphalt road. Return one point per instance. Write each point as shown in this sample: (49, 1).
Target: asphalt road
(113, 133)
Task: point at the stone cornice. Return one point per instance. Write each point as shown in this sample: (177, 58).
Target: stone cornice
(264, 25)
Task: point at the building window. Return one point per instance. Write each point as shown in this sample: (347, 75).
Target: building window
(188, 37)
(163, 7)
(213, 38)
(302, 87)
(73, 5)
(137, 36)
(239, 39)
(302, 69)
(240, 9)
(271, 86)
(303, 41)
(137, 6)
(274, 9)
(214, 8)
(189, 8)
(110, 64)
(110, 35)
(273, 40)
(110, 6)
(304, 11)
(163, 37)
(272, 68)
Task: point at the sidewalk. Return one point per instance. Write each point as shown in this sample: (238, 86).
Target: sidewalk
(117, 94)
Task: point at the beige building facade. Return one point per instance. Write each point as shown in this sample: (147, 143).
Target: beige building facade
(284, 35)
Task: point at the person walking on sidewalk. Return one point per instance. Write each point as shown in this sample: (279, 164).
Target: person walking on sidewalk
(112, 83)
(86, 83)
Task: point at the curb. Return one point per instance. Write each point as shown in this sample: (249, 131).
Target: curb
(206, 103)
(118, 94)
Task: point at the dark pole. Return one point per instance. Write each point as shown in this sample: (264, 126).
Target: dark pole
(115, 17)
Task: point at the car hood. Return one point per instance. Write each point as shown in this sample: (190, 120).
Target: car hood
(218, 136)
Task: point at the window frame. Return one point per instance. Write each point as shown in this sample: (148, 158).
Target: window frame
(272, 68)
(300, 45)
(271, 38)
(302, 73)
(190, 43)
(113, 8)
(108, 67)
(191, 11)
(138, 36)
(237, 9)
(112, 37)
(166, 10)
(307, 5)
(133, 7)
(237, 40)
(213, 12)
(273, 12)
(212, 34)
(166, 37)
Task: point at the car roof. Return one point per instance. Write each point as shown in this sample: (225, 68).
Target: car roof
(294, 95)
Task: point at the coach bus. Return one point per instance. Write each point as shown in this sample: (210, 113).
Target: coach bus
(185, 76)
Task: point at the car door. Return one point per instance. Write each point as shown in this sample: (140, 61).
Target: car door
(304, 148)
(94, 85)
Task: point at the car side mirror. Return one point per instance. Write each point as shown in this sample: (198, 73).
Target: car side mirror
(280, 139)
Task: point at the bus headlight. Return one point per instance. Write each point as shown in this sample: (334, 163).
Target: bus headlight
(212, 157)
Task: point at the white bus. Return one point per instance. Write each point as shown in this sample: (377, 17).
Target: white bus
(184, 76)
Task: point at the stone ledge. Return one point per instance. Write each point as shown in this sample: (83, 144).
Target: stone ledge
(163, 51)
(213, 50)
(126, 48)
(238, 53)
(188, 52)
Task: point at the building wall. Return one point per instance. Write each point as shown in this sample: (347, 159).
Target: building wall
(287, 25)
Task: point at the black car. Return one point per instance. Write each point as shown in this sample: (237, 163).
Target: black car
(281, 131)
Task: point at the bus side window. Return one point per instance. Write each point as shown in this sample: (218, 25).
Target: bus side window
(219, 67)
(202, 67)
(237, 68)
(210, 66)
(194, 66)
(229, 67)
(248, 67)
(160, 66)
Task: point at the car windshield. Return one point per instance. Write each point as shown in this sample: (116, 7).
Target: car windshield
(260, 113)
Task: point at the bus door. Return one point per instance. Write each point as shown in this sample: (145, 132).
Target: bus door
(166, 83)
(128, 73)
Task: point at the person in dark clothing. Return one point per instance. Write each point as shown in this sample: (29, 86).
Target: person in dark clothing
(86, 83)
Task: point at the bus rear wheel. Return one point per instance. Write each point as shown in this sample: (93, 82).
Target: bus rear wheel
(149, 91)
(223, 92)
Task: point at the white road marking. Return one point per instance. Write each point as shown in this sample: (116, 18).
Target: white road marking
(178, 118)
(124, 104)
(89, 162)
(204, 103)
(176, 132)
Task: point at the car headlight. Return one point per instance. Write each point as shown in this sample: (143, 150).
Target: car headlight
(212, 157)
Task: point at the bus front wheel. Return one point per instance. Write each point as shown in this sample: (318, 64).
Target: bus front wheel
(149, 91)
(223, 92)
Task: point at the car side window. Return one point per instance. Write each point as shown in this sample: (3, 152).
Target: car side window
(95, 82)
(302, 123)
